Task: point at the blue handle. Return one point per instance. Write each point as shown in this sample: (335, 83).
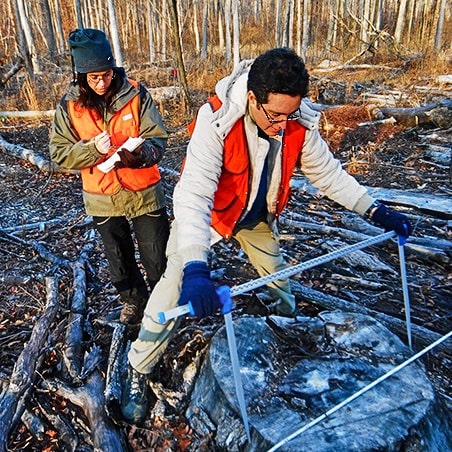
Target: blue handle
(224, 292)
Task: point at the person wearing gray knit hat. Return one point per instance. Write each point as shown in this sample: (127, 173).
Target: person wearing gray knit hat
(108, 127)
(90, 50)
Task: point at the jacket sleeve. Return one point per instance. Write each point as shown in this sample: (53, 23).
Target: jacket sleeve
(326, 173)
(194, 193)
(65, 147)
(151, 129)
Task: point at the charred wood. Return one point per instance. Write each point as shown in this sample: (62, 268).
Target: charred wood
(23, 372)
(422, 337)
(90, 398)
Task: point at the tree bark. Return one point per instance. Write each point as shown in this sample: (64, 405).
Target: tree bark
(23, 372)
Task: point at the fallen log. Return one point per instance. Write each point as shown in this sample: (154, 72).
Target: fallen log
(438, 114)
(437, 205)
(73, 352)
(29, 114)
(34, 157)
(422, 336)
(90, 398)
(24, 369)
(434, 249)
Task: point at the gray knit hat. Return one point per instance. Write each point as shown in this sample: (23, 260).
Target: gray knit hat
(90, 50)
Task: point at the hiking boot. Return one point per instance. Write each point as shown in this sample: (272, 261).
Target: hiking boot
(134, 303)
(131, 314)
(136, 396)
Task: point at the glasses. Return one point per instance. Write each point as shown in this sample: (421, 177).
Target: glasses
(95, 79)
(291, 117)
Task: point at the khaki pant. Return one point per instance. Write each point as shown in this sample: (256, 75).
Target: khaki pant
(262, 250)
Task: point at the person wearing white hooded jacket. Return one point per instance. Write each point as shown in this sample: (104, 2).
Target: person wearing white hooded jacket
(234, 184)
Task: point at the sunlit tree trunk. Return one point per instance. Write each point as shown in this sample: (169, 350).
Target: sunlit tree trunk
(400, 21)
(439, 26)
(114, 33)
(30, 49)
(195, 27)
(205, 26)
(220, 29)
(58, 23)
(236, 31)
(150, 22)
(228, 30)
(287, 39)
(278, 22)
(305, 37)
(330, 39)
(163, 28)
(178, 47)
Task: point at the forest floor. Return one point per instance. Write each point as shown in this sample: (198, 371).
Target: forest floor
(378, 155)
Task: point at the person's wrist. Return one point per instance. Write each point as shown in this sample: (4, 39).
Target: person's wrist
(371, 210)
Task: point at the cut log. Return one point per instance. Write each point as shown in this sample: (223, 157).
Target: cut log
(285, 391)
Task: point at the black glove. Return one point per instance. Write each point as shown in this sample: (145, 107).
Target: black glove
(150, 155)
(129, 159)
(392, 221)
(199, 290)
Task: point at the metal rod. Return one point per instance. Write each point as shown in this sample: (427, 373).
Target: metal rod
(290, 271)
(360, 392)
(285, 273)
(236, 372)
(406, 295)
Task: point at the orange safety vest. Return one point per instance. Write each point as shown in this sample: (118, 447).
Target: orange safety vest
(231, 196)
(124, 124)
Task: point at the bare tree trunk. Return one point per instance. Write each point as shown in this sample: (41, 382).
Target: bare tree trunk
(305, 38)
(400, 22)
(439, 26)
(114, 33)
(278, 22)
(30, 49)
(195, 28)
(178, 47)
(236, 31)
(205, 25)
(163, 26)
(78, 13)
(150, 22)
(50, 31)
(220, 29)
(58, 23)
(228, 28)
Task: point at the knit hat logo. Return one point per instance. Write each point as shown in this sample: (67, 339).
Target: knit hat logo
(90, 50)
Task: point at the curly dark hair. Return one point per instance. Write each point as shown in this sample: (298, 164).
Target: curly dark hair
(278, 71)
(89, 99)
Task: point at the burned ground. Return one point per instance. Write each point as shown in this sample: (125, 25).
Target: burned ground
(378, 155)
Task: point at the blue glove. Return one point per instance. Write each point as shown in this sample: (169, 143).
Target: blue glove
(392, 221)
(199, 290)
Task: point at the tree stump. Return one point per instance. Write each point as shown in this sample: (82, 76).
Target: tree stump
(295, 370)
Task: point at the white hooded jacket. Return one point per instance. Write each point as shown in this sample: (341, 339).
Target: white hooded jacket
(194, 193)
